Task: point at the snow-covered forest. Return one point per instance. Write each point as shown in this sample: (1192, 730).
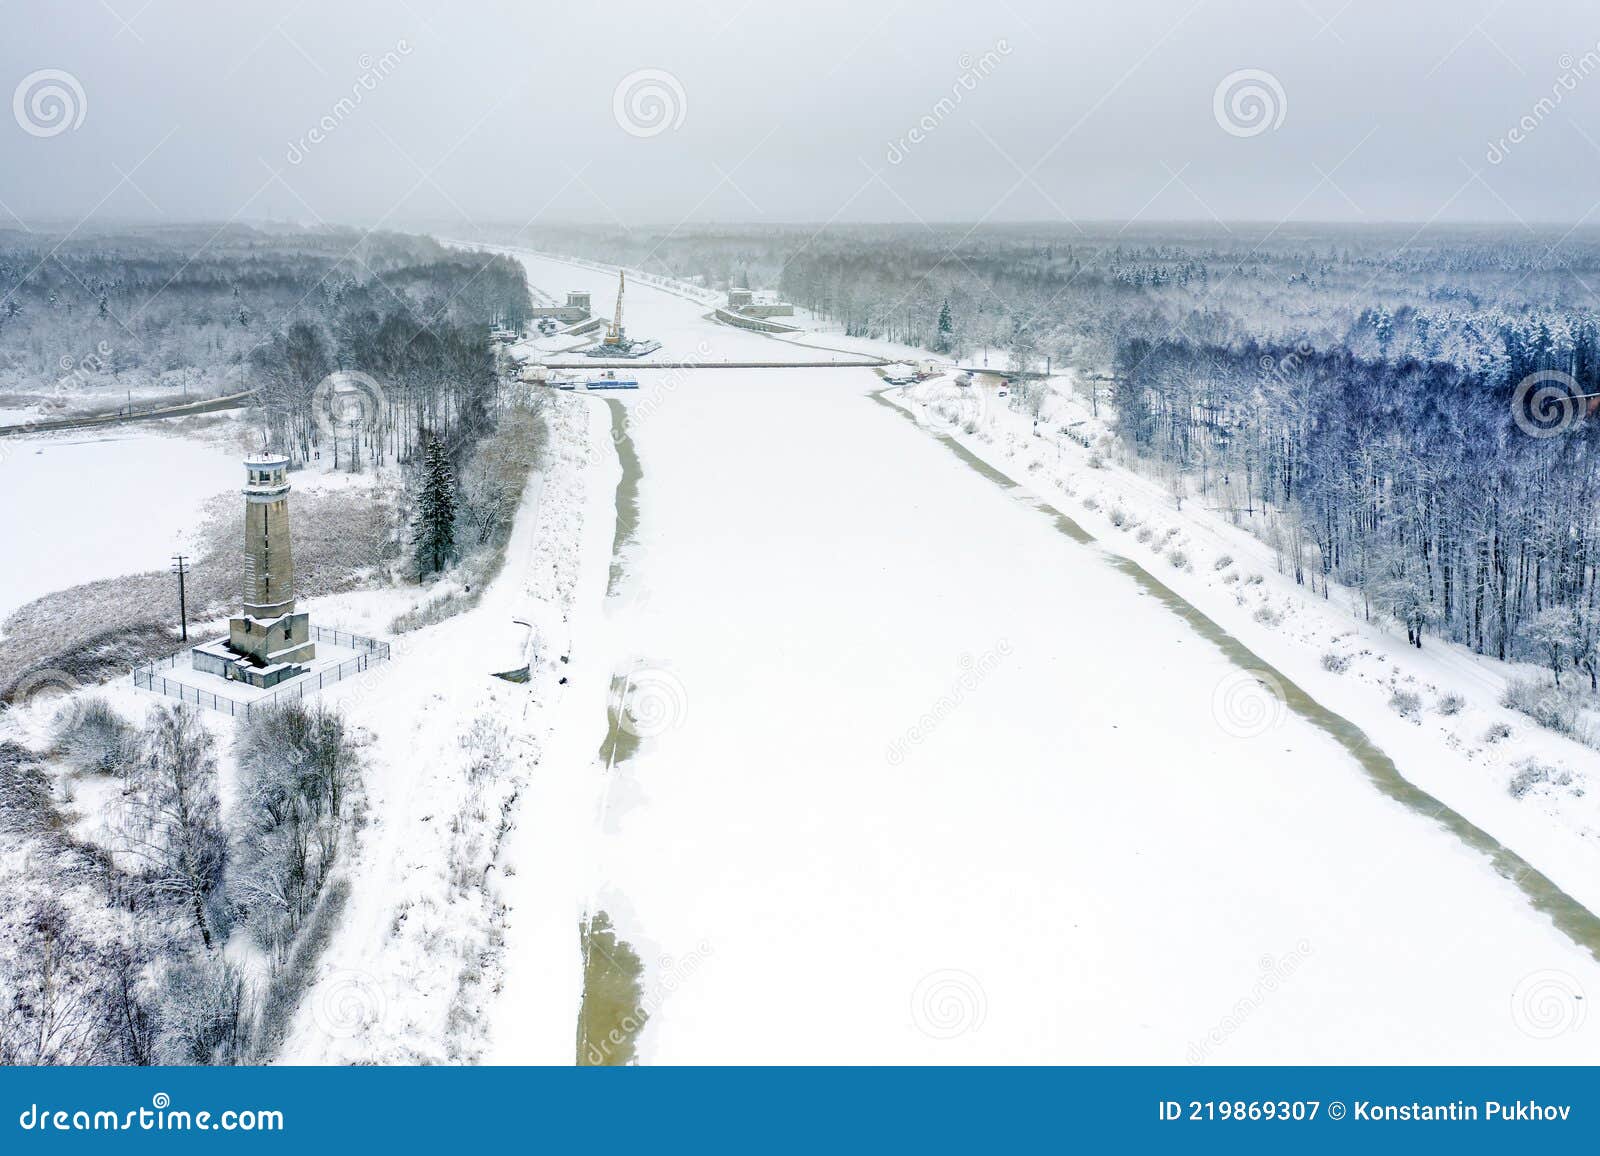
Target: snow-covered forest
(168, 929)
(167, 312)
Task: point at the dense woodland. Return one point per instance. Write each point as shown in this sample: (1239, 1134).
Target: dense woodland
(92, 318)
(1348, 392)
(173, 931)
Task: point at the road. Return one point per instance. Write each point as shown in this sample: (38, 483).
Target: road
(124, 417)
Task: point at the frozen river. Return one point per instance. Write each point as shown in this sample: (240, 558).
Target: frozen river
(924, 779)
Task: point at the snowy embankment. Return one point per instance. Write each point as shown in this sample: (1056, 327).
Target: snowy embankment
(459, 771)
(1459, 744)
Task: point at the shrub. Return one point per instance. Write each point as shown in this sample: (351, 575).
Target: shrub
(1179, 559)
(1548, 705)
(1144, 534)
(1223, 562)
(1118, 516)
(1267, 616)
(1451, 704)
(1497, 732)
(94, 738)
(1406, 703)
(1090, 502)
(1337, 663)
(1528, 776)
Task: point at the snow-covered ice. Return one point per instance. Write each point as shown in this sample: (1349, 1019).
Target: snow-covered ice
(82, 506)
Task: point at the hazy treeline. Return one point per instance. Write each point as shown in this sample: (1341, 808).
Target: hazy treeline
(185, 307)
(169, 931)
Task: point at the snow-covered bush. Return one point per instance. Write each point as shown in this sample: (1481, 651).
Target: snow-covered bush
(1178, 558)
(1450, 704)
(1547, 704)
(1223, 562)
(1335, 662)
(1527, 776)
(1090, 502)
(1118, 516)
(1406, 703)
(1144, 534)
(93, 738)
(1497, 732)
(1267, 616)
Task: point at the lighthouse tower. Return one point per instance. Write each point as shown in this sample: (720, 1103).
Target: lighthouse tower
(268, 556)
(268, 642)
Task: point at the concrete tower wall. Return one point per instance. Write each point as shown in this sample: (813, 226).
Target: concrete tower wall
(268, 558)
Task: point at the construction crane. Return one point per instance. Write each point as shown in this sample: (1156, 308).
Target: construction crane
(616, 343)
(614, 335)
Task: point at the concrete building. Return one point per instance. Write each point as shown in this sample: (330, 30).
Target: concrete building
(577, 308)
(760, 305)
(269, 642)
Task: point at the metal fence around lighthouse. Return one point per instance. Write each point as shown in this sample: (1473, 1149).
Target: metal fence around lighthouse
(371, 652)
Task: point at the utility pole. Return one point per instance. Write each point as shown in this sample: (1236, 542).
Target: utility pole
(178, 561)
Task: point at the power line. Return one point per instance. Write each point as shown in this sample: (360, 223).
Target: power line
(179, 569)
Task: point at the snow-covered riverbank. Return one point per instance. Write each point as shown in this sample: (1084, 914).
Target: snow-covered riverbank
(1459, 744)
(474, 814)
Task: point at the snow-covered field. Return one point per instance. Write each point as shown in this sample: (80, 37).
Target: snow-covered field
(85, 506)
(928, 780)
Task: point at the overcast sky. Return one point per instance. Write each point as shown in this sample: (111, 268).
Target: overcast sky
(404, 112)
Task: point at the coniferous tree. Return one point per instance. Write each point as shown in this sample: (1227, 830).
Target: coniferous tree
(433, 533)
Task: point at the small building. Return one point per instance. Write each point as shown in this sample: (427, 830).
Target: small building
(760, 305)
(577, 308)
(269, 641)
